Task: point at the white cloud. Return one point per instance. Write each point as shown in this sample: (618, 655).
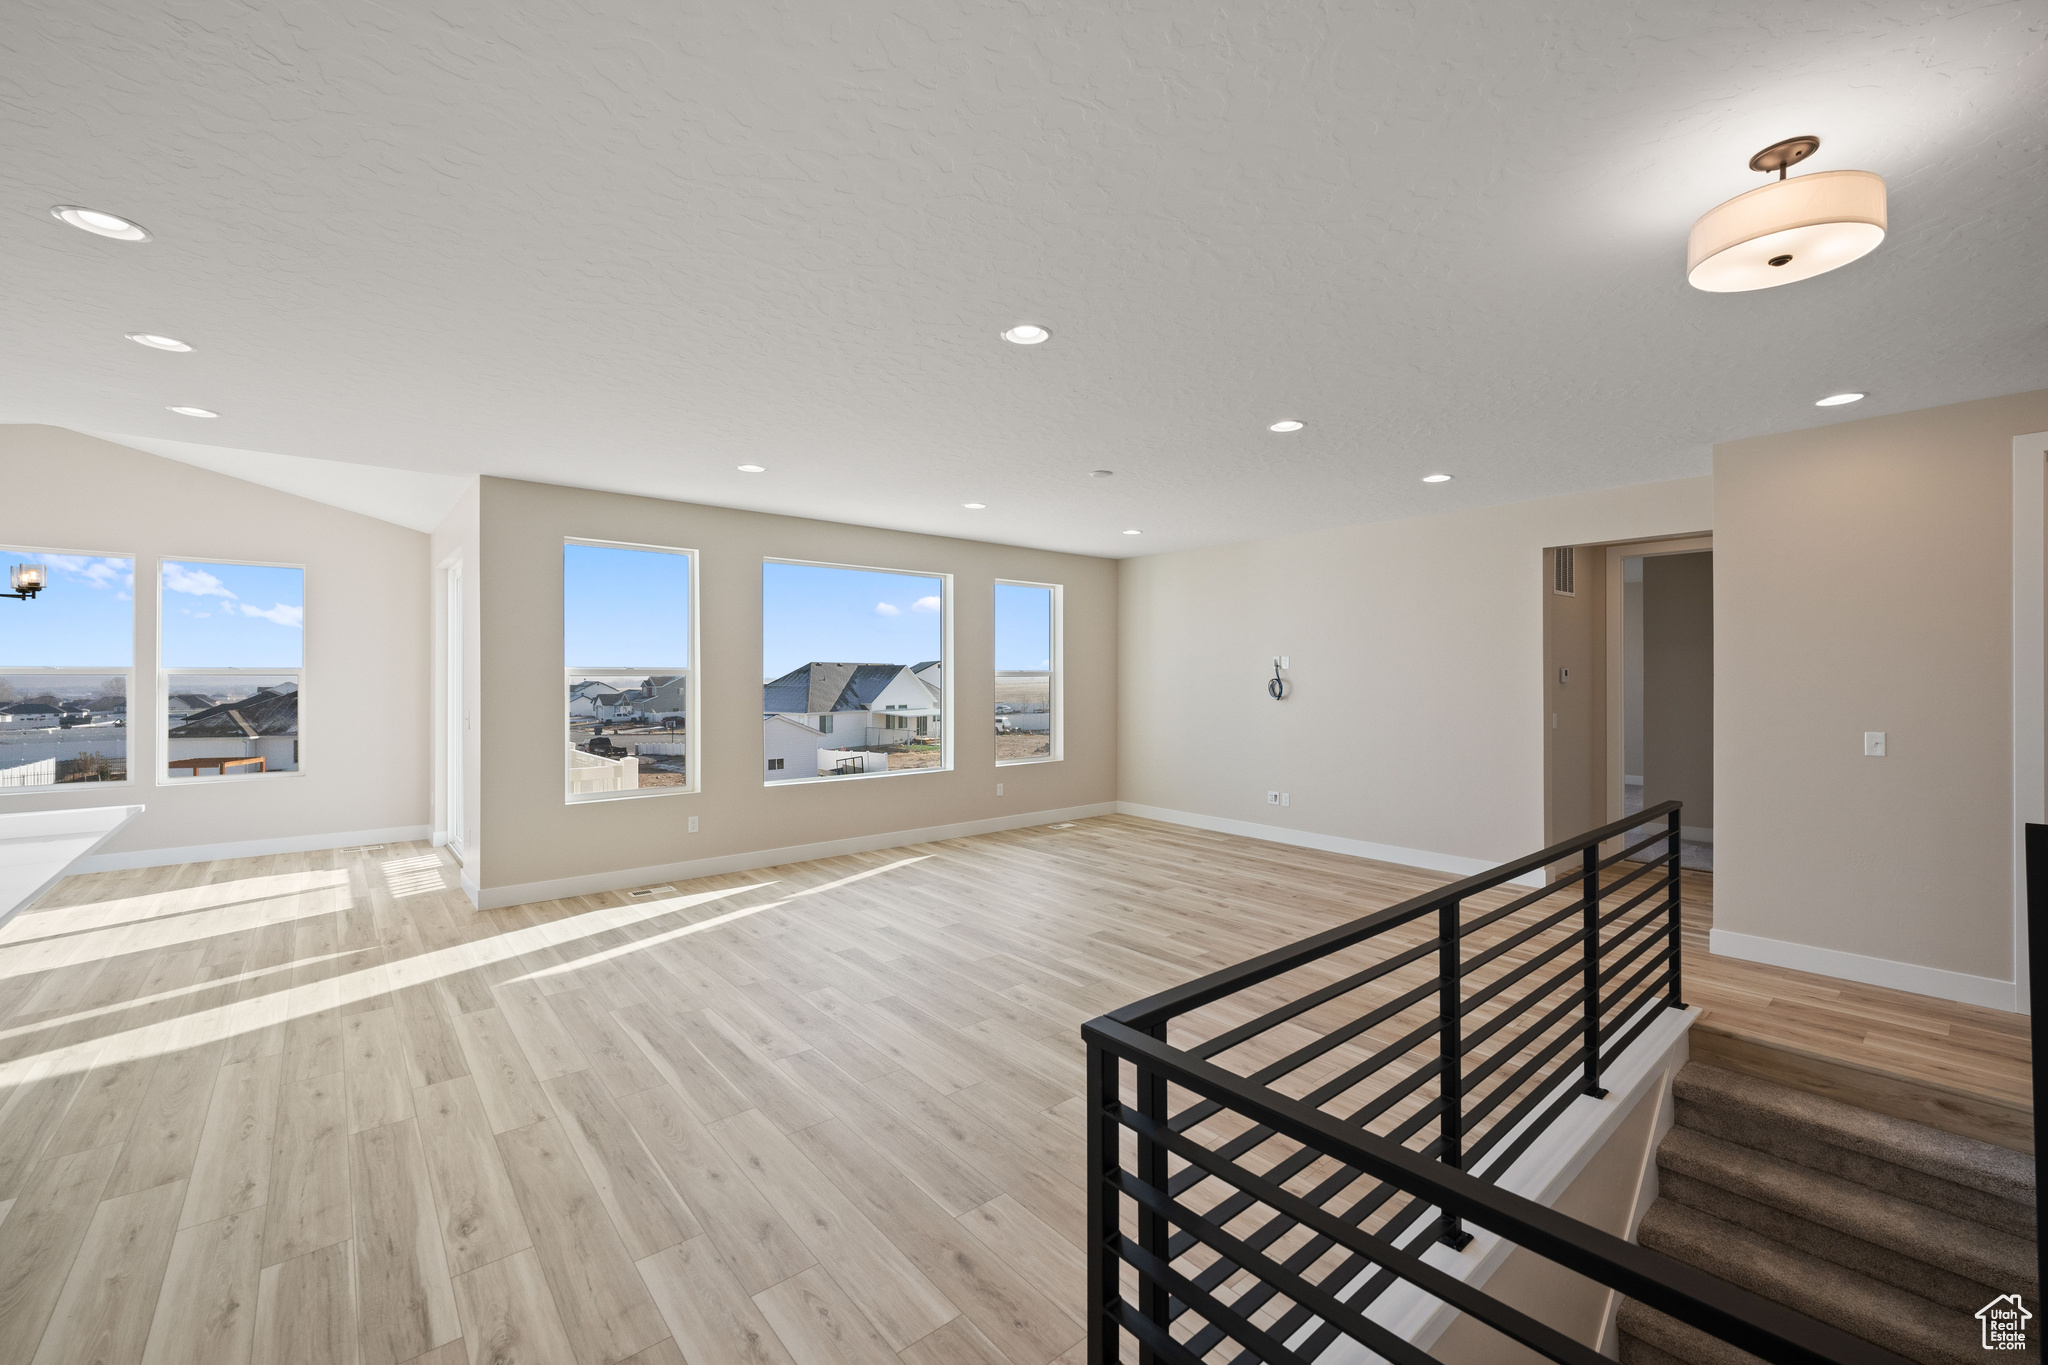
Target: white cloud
(295, 617)
(199, 615)
(884, 609)
(98, 573)
(198, 582)
(925, 604)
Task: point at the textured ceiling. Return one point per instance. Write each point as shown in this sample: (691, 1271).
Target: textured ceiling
(631, 245)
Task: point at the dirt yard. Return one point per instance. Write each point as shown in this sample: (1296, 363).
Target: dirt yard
(1023, 746)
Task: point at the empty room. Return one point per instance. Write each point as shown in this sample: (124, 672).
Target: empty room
(1022, 684)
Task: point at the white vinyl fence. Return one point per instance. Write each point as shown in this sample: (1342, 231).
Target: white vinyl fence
(834, 761)
(596, 773)
(39, 774)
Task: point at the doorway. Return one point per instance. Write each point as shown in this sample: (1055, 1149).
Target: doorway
(451, 708)
(1628, 685)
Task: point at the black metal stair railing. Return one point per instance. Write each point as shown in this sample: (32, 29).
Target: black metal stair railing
(1333, 1108)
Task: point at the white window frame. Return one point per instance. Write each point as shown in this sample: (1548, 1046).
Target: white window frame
(1056, 671)
(693, 759)
(946, 708)
(128, 672)
(164, 674)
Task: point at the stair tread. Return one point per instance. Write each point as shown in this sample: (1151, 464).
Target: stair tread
(1855, 1303)
(1670, 1339)
(1994, 1171)
(1901, 1227)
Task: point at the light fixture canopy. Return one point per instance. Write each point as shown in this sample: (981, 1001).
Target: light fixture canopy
(1791, 229)
(1436, 478)
(1027, 334)
(194, 412)
(100, 223)
(1286, 424)
(161, 343)
(1835, 400)
(753, 469)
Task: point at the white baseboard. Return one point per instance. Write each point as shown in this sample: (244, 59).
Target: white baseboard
(497, 897)
(249, 848)
(1329, 843)
(1872, 971)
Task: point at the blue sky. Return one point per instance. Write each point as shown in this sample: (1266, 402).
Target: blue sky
(813, 613)
(625, 608)
(232, 615)
(1023, 627)
(86, 616)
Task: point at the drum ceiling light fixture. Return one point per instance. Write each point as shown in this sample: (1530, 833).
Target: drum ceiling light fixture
(1791, 229)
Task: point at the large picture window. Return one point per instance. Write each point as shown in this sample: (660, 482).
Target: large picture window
(231, 648)
(626, 646)
(1027, 642)
(67, 661)
(855, 663)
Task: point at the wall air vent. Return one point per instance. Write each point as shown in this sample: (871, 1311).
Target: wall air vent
(1564, 572)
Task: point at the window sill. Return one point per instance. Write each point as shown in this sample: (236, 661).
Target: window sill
(216, 780)
(1020, 762)
(62, 788)
(640, 793)
(855, 777)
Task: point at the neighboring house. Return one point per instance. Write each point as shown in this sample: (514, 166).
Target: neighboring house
(108, 708)
(789, 747)
(595, 700)
(665, 695)
(183, 704)
(854, 705)
(30, 715)
(262, 725)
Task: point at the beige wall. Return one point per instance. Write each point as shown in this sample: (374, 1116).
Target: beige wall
(1864, 582)
(364, 732)
(1415, 728)
(1575, 728)
(531, 838)
(1678, 684)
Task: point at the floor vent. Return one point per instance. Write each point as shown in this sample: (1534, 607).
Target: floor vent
(1064, 824)
(651, 891)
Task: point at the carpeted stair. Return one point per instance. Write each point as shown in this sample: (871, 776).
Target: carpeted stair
(1889, 1230)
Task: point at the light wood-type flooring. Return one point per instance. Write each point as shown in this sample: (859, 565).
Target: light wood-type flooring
(314, 1108)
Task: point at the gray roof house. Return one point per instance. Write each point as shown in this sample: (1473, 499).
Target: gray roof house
(271, 711)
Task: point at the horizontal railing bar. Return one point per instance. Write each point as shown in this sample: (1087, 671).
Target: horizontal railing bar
(1499, 984)
(1656, 920)
(1152, 1335)
(1561, 1097)
(1519, 937)
(1617, 1046)
(1520, 903)
(1495, 1061)
(1625, 987)
(1656, 838)
(1223, 1042)
(1228, 981)
(1296, 1287)
(1348, 1269)
(1332, 1185)
(1632, 902)
(1692, 1296)
(1329, 1090)
(1521, 1075)
(1335, 1038)
(1521, 1007)
(1219, 1313)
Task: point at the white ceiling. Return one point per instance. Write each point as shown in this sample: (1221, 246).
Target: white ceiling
(631, 245)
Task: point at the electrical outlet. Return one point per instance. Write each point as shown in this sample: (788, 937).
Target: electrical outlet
(999, 789)
(693, 824)
(1272, 798)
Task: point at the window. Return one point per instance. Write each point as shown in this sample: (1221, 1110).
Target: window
(854, 666)
(67, 661)
(627, 616)
(1027, 672)
(231, 644)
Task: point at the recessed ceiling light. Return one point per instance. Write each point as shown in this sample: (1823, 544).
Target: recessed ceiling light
(195, 412)
(104, 224)
(977, 506)
(1101, 473)
(1835, 400)
(1026, 334)
(1289, 425)
(1436, 478)
(753, 469)
(160, 343)
(1134, 533)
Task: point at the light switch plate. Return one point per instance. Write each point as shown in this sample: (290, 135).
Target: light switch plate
(693, 824)
(1873, 744)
